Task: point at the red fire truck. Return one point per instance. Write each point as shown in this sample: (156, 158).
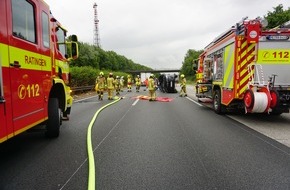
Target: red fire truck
(34, 69)
(247, 68)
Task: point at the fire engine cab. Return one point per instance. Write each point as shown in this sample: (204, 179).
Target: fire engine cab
(34, 69)
(246, 68)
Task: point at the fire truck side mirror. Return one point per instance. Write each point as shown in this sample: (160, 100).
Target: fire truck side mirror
(74, 46)
(74, 38)
(74, 50)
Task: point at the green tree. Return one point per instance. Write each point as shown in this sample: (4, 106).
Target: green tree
(277, 17)
(100, 59)
(186, 68)
(88, 56)
(83, 76)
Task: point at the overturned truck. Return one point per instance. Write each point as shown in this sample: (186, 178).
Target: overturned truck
(167, 83)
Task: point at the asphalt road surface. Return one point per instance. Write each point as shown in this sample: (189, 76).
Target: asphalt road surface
(147, 145)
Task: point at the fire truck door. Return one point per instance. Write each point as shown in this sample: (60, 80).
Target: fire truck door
(26, 87)
(25, 66)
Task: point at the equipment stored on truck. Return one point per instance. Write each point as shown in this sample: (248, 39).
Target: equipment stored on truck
(246, 68)
(34, 68)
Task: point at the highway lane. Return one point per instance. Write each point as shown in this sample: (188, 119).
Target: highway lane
(180, 145)
(147, 145)
(275, 127)
(30, 161)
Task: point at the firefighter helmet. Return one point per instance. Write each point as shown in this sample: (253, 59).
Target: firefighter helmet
(182, 75)
(101, 73)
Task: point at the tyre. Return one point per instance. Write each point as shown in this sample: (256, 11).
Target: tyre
(54, 119)
(217, 105)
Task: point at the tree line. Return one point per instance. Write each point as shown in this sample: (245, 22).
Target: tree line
(94, 59)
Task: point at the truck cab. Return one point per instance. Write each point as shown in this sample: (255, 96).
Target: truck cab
(34, 68)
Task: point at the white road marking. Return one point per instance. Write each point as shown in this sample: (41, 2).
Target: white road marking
(135, 102)
(194, 101)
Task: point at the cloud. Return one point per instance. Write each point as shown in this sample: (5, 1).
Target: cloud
(156, 33)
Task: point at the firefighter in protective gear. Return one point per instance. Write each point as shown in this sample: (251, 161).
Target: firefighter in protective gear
(182, 85)
(96, 85)
(121, 83)
(117, 85)
(152, 88)
(100, 84)
(129, 83)
(110, 86)
(138, 83)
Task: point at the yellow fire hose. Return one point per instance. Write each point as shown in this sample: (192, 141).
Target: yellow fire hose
(91, 181)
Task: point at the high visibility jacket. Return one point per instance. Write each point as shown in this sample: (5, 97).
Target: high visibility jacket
(110, 83)
(138, 81)
(151, 85)
(183, 82)
(101, 82)
(122, 82)
(129, 81)
(117, 83)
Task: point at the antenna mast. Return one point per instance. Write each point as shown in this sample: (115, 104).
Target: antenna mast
(96, 27)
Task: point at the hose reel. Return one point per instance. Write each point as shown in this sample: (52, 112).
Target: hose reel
(257, 101)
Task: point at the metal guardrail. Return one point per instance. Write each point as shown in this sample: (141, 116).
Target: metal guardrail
(82, 88)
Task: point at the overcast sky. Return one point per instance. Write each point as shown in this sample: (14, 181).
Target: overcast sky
(156, 33)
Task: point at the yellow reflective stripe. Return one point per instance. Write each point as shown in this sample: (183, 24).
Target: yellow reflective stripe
(63, 65)
(244, 44)
(199, 75)
(30, 60)
(242, 90)
(22, 130)
(246, 56)
(249, 57)
(229, 61)
(4, 55)
(29, 126)
(3, 139)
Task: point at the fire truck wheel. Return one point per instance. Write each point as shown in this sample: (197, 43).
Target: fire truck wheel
(53, 122)
(217, 105)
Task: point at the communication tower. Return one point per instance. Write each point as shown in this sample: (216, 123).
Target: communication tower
(96, 27)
